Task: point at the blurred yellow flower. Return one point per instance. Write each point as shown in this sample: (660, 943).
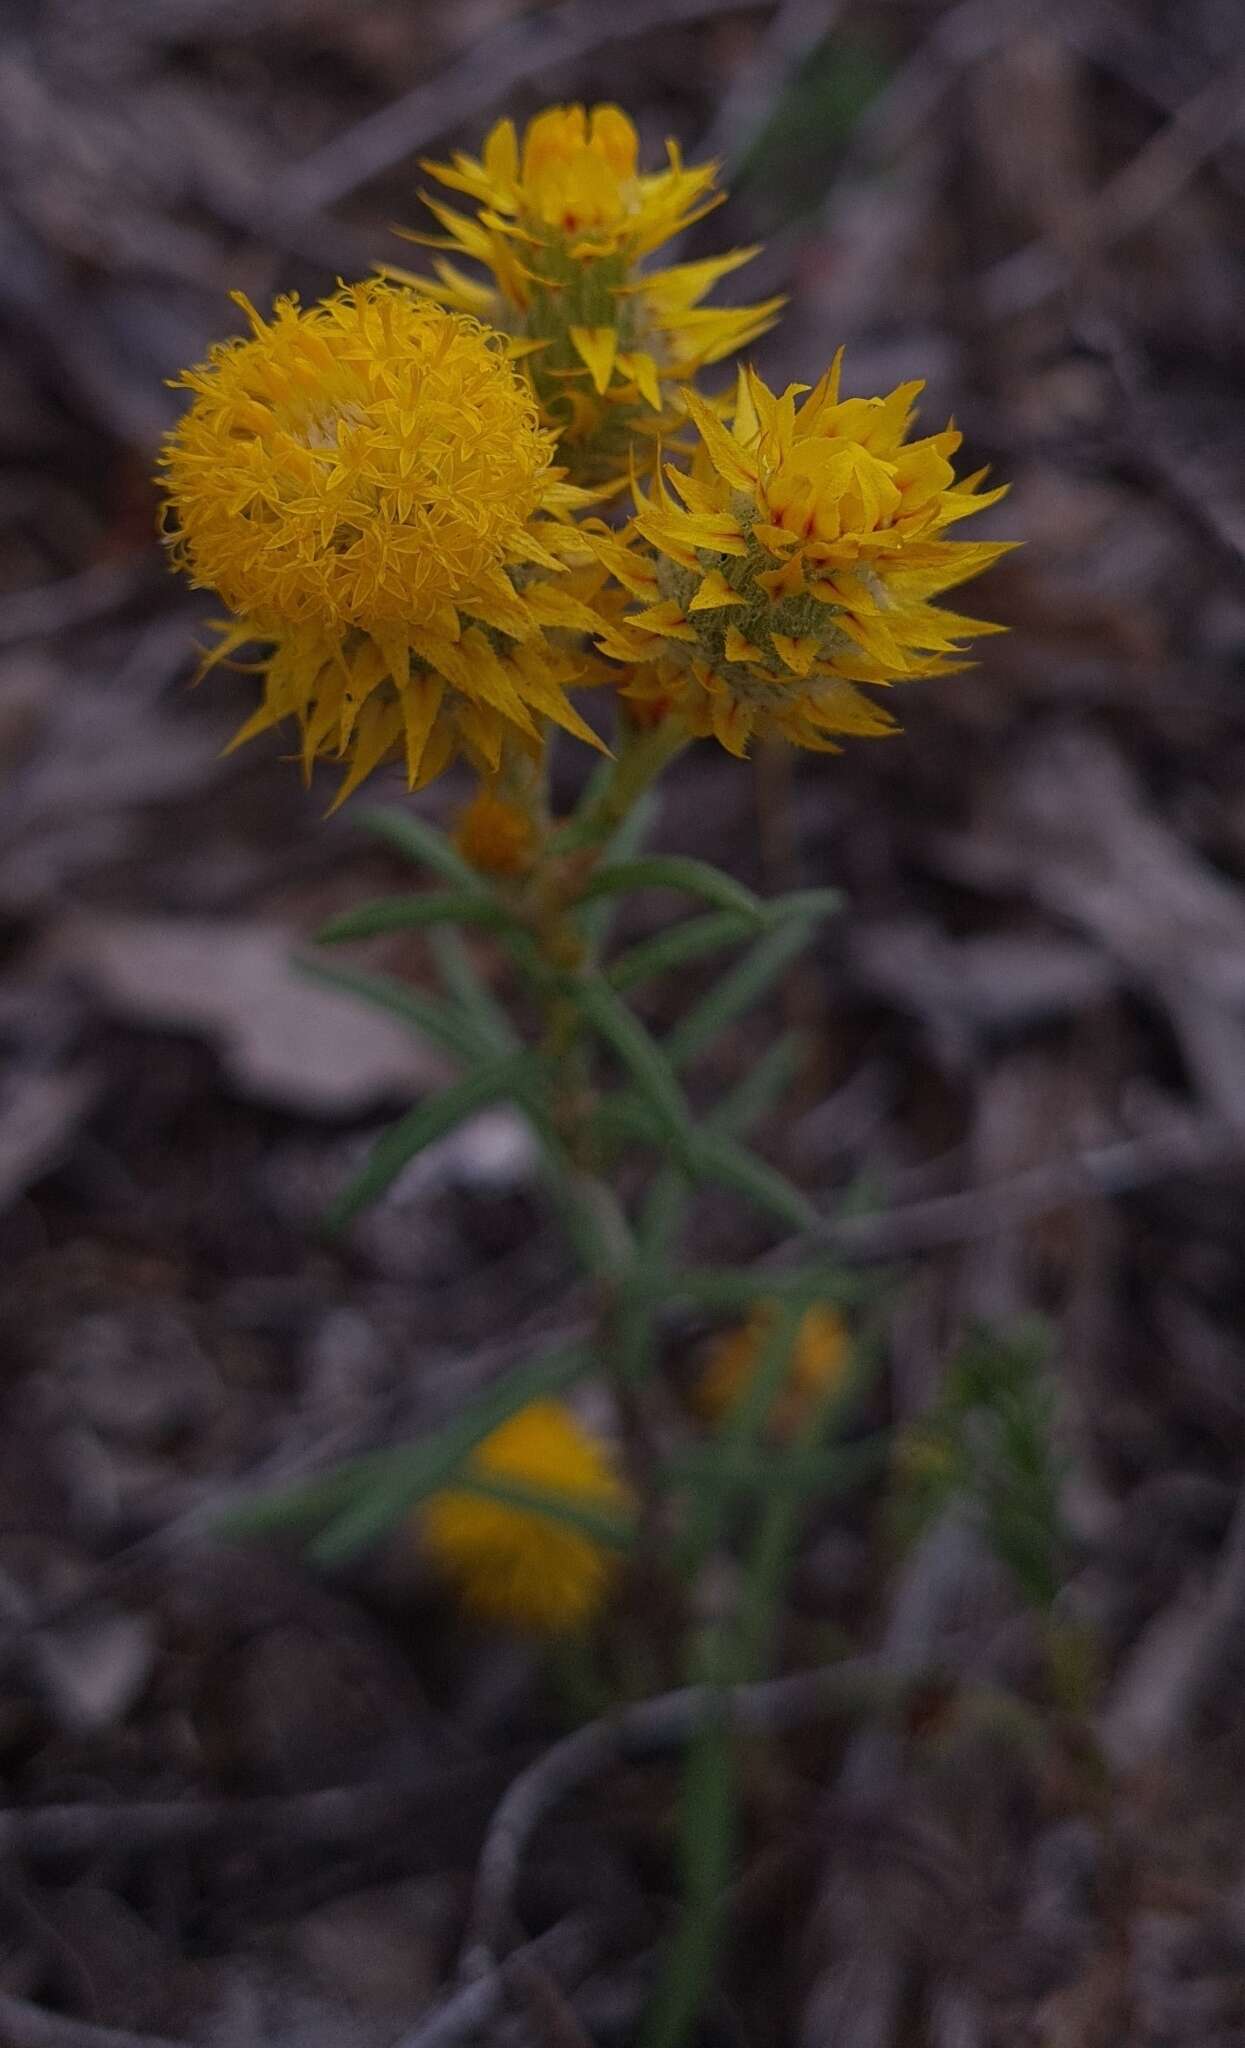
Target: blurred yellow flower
(494, 835)
(516, 1564)
(367, 485)
(820, 1356)
(796, 560)
(563, 225)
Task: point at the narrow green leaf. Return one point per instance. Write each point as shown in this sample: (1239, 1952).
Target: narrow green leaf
(665, 1206)
(596, 919)
(622, 1118)
(661, 1220)
(688, 877)
(737, 991)
(802, 1470)
(594, 1225)
(708, 1823)
(760, 1088)
(730, 1290)
(614, 1532)
(318, 1499)
(422, 1126)
(418, 841)
(489, 1022)
(768, 1565)
(810, 903)
(644, 1060)
(414, 912)
(733, 1166)
(388, 1485)
(678, 946)
(428, 1016)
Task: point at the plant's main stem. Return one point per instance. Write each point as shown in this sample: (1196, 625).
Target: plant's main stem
(567, 856)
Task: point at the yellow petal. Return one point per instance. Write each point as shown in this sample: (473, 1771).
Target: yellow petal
(777, 540)
(379, 729)
(739, 649)
(597, 347)
(421, 701)
(798, 655)
(824, 394)
(501, 154)
(680, 285)
(732, 725)
(728, 458)
(622, 646)
(642, 370)
(483, 732)
(666, 617)
(714, 592)
(747, 421)
(785, 582)
(551, 606)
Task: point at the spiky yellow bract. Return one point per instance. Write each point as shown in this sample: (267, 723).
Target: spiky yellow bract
(820, 1356)
(563, 225)
(368, 486)
(496, 836)
(795, 560)
(514, 1564)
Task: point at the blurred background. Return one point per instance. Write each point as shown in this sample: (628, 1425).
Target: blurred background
(1040, 210)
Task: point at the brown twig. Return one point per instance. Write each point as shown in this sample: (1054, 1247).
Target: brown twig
(1192, 1146)
(1152, 451)
(71, 601)
(553, 2021)
(336, 1813)
(646, 1730)
(1148, 64)
(1146, 184)
(1175, 1670)
(568, 1950)
(31, 2026)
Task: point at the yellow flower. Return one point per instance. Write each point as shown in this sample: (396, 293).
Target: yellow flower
(562, 226)
(368, 487)
(515, 1564)
(819, 1359)
(797, 560)
(496, 836)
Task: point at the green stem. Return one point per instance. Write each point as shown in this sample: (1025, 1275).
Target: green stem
(708, 1826)
(639, 758)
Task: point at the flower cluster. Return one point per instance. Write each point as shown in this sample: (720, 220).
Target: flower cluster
(562, 227)
(533, 1570)
(394, 493)
(820, 1356)
(368, 487)
(795, 559)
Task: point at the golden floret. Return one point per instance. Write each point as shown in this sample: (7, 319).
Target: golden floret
(563, 226)
(368, 486)
(796, 559)
(496, 836)
(820, 1356)
(516, 1564)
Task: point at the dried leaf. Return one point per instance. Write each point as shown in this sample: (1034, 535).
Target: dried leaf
(282, 1039)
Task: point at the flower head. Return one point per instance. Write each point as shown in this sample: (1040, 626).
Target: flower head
(563, 225)
(820, 1357)
(368, 487)
(795, 560)
(517, 1564)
